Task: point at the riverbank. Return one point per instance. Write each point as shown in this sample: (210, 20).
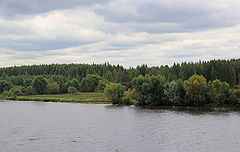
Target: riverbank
(96, 98)
(99, 98)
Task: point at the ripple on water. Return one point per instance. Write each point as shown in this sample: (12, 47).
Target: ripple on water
(30, 126)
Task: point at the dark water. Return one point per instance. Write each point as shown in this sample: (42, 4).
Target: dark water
(69, 127)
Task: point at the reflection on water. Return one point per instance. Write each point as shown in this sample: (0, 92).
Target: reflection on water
(71, 127)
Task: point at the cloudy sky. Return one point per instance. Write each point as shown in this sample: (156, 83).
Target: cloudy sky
(126, 32)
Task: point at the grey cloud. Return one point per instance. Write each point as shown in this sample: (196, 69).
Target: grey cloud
(12, 8)
(182, 16)
(151, 12)
(128, 32)
(40, 45)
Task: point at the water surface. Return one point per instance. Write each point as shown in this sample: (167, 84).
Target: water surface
(71, 127)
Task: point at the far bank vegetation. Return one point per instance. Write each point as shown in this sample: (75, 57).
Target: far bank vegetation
(213, 83)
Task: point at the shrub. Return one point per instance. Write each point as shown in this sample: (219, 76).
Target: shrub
(75, 83)
(126, 100)
(6, 94)
(72, 90)
(5, 86)
(114, 92)
(53, 88)
(17, 91)
(101, 85)
(235, 96)
(30, 91)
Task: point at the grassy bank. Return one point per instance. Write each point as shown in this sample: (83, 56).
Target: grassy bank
(97, 98)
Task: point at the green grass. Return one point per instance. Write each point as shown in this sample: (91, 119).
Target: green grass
(79, 98)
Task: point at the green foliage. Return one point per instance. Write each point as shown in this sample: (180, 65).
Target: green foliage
(196, 88)
(239, 78)
(224, 70)
(101, 85)
(181, 92)
(27, 82)
(30, 91)
(90, 83)
(5, 94)
(170, 93)
(132, 94)
(149, 89)
(53, 88)
(235, 96)
(5, 86)
(126, 100)
(219, 92)
(75, 83)
(108, 76)
(17, 91)
(72, 89)
(174, 93)
(40, 85)
(114, 92)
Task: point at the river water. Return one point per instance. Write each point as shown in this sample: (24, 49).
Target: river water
(71, 127)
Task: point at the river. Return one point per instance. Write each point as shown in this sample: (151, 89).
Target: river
(71, 127)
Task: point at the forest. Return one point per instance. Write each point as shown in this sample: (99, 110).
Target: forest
(214, 82)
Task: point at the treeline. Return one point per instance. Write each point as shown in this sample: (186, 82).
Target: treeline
(195, 91)
(32, 85)
(157, 91)
(224, 70)
(163, 85)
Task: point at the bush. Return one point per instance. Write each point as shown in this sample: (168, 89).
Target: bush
(72, 90)
(126, 100)
(53, 88)
(6, 94)
(101, 85)
(17, 91)
(5, 86)
(114, 92)
(132, 94)
(27, 82)
(75, 83)
(30, 91)
(235, 96)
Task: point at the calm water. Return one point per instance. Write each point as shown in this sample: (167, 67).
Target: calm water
(71, 127)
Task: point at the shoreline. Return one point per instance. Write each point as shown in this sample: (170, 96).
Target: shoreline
(173, 108)
(59, 100)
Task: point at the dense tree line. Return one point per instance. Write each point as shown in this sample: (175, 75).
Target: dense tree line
(195, 91)
(157, 85)
(224, 70)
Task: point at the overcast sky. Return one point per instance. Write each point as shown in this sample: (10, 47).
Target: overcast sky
(126, 32)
